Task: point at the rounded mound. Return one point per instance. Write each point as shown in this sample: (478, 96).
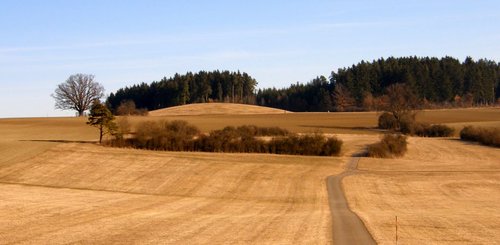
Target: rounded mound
(215, 109)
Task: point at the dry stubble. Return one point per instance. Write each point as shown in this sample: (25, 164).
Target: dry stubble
(443, 191)
(82, 192)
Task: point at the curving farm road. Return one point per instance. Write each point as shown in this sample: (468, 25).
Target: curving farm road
(347, 227)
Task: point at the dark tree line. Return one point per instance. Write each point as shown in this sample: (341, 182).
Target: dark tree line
(313, 96)
(441, 82)
(203, 86)
(434, 82)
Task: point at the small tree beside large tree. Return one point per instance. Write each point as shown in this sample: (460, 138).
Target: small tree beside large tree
(102, 118)
(78, 93)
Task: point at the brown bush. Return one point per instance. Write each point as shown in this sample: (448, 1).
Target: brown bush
(261, 131)
(391, 145)
(485, 136)
(332, 147)
(436, 130)
(426, 129)
(127, 108)
(313, 145)
(387, 121)
(230, 139)
(164, 135)
(407, 124)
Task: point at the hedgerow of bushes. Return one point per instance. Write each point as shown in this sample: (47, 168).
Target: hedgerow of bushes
(407, 125)
(164, 135)
(315, 145)
(485, 136)
(181, 136)
(391, 145)
(426, 129)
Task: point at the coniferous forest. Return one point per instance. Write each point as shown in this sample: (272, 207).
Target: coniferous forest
(436, 82)
(225, 86)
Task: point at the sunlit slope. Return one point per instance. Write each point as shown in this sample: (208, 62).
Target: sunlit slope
(82, 192)
(216, 109)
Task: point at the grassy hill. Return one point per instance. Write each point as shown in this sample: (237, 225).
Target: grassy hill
(216, 109)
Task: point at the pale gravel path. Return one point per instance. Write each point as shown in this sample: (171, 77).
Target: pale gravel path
(347, 227)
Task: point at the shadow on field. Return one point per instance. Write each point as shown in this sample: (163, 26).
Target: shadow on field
(361, 153)
(64, 141)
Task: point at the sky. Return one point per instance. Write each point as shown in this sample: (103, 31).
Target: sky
(278, 43)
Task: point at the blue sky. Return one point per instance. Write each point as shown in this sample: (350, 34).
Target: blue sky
(277, 42)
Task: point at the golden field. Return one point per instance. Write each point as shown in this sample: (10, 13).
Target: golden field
(61, 188)
(443, 191)
(80, 192)
(57, 186)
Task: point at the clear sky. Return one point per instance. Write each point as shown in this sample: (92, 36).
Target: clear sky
(277, 42)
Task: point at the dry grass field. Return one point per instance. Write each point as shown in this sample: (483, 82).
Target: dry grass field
(82, 192)
(69, 192)
(443, 191)
(57, 186)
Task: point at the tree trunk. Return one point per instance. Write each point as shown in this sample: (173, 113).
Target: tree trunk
(80, 113)
(100, 134)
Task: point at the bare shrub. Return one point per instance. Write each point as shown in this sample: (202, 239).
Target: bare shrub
(436, 130)
(122, 132)
(387, 121)
(316, 145)
(408, 124)
(378, 150)
(124, 126)
(272, 131)
(128, 108)
(426, 130)
(141, 112)
(164, 135)
(485, 136)
(332, 147)
(261, 131)
(240, 139)
(391, 145)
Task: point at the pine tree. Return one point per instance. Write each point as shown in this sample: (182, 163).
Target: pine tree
(102, 118)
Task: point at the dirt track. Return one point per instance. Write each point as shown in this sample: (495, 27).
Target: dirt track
(347, 227)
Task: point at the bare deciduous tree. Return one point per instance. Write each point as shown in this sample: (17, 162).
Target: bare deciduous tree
(126, 108)
(342, 98)
(400, 102)
(78, 93)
